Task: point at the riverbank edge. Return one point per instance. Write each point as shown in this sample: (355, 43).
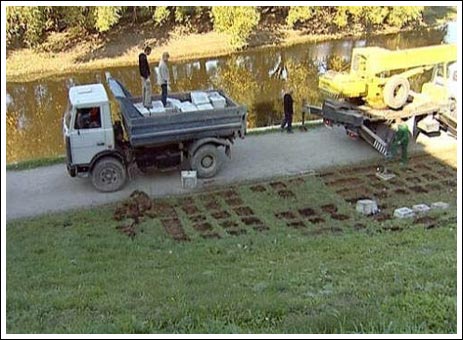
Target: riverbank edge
(16, 75)
(47, 161)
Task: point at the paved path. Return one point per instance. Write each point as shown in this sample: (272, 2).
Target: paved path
(49, 189)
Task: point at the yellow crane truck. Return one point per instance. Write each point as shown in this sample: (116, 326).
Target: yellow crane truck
(376, 91)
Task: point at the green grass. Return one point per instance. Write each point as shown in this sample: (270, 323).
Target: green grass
(75, 273)
(35, 163)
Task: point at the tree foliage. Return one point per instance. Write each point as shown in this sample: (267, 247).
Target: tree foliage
(31, 24)
(161, 15)
(238, 22)
(106, 17)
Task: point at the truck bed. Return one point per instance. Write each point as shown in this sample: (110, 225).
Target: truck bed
(171, 127)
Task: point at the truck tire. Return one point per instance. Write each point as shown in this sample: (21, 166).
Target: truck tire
(396, 92)
(108, 174)
(206, 161)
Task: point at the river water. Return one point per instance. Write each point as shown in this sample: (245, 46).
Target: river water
(254, 78)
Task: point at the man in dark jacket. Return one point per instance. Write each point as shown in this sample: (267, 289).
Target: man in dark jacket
(145, 76)
(288, 109)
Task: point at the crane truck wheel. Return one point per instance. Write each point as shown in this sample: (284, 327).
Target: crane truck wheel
(206, 161)
(108, 174)
(396, 92)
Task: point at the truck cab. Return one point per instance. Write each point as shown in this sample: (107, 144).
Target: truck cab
(87, 127)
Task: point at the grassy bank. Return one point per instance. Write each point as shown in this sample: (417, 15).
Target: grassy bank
(286, 256)
(67, 52)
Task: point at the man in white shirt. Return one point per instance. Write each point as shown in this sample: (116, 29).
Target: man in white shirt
(163, 76)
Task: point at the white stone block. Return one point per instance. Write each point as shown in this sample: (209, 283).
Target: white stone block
(217, 100)
(203, 107)
(421, 208)
(189, 179)
(404, 212)
(440, 205)
(199, 97)
(367, 207)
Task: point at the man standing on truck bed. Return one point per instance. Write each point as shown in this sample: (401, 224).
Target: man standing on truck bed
(145, 76)
(288, 109)
(163, 76)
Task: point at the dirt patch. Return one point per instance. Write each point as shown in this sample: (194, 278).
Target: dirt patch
(212, 205)
(161, 209)
(228, 224)
(287, 215)
(359, 226)
(229, 193)
(401, 191)
(329, 208)
(236, 231)
(327, 174)
(336, 230)
(201, 227)
(316, 220)
(286, 194)
(296, 224)
(381, 217)
(218, 215)
(187, 200)
(429, 222)
(278, 185)
(343, 191)
(339, 217)
(429, 177)
(306, 212)
(211, 235)
(251, 220)
(197, 218)
(134, 207)
(396, 182)
(381, 194)
(234, 201)
(173, 227)
(258, 188)
(190, 209)
(260, 227)
(418, 189)
(421, 166)
(412, 179)
(393, 228)
(243, 211)
(129, 229)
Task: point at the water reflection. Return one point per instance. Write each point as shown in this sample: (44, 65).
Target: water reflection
(253, 78)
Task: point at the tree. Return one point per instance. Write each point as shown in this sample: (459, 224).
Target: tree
(238, 22)
(161, 15)
(106, 17)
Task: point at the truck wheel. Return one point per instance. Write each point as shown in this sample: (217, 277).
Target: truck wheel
(108, 174)
(396, 92)
(206, 161)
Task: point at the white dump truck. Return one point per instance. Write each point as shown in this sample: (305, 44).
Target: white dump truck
(104, 150)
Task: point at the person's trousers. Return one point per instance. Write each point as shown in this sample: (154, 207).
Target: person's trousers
(146, 91)
(287, 121)
(164, 94)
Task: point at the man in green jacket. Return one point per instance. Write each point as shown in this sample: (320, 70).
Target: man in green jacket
(401, 139)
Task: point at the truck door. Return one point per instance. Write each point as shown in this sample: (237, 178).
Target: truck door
(88, 134)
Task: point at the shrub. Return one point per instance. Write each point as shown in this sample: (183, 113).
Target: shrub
(238, 22)
(106, 17)
(161, 15)
(299, 15)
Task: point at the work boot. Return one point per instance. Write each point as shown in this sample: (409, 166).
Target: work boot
(290, 131)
